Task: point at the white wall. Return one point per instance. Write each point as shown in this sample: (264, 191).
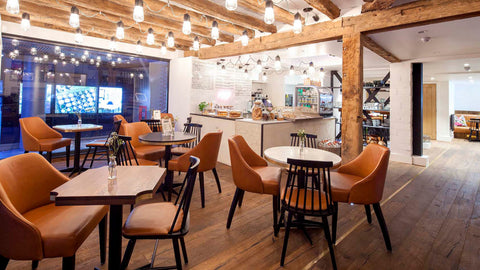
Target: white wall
(180, 89)
(276, 89)
(467, 95)
(443, 112)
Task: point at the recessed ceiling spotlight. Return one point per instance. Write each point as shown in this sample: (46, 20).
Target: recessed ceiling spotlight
(425, 39)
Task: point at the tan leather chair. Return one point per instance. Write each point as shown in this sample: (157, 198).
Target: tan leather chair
(252, 173)
(38, 136)
(119, 117)
(34, 228)
(207, 150)
(361, 181)
(143, 151)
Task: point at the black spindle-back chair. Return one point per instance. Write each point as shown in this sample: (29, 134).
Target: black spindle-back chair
(102, 144)
(310, 140)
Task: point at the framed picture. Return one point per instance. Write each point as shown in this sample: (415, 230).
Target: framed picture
(167, 126)
(157, 114)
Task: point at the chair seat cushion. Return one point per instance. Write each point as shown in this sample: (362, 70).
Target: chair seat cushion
(52, 144)
(97, 143)
(178, 151)
(342, 184)
(150, 152)
(64, 228)
(270, 178)
(304, 203)
(152, 219)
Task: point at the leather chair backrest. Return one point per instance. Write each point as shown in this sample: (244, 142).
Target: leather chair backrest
(34, 129)
(118, 117)
(206, 150)
(134, 130)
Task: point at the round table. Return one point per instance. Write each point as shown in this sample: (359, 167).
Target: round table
(279, 155)
(158, 138)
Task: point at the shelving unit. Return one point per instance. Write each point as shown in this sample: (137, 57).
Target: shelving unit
(380, 129)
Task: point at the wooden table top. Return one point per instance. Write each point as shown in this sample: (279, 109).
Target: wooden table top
(77, 128)
(279, 155)
(93, 187)
(158, 138)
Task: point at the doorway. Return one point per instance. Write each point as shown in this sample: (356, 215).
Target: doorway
(430, 110)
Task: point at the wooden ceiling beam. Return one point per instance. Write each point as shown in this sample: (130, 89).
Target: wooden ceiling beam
(412, 14)
(219, 11)
(377, 5)
(368, 43)
(281, 15)
(326, 7)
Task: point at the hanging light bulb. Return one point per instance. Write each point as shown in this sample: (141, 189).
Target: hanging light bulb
(170, 40)
(196, 44)
(311, 69)
(264, 77)
(259, 67)
(278, 64)
(245, 74)
(139, 47)
(13, 7)
(15, 42)
(138, 14)
(45, 57)
(78, 36)
(187, 26)
(62, 56)
(231, 4)
(109, 56)
(55, 62)
(322, 73)
(33, 51)
(223, 67)
(163, 49)
(215, 32)
(297, 24)
(150, 37)
(74, 17)
(304, 75)
(244, 38)
(292, 71)
(120, 34)
(25, 21)
(113, 44)
(57, 50)
(97, 64)
(269, 16)
(86, 53)
(140, 76)
(92, 61)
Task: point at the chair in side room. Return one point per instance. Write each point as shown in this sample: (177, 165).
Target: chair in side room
(192, 128)
(101, 144)
(34, 228)
(207, 150)
(163, 220)
(361, 181)
(310, 140)
(307, 193)
(251, 173)
(38, 136)
(143, 151)
(119, 117)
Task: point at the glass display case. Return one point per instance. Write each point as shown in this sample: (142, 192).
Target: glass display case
(316, 98)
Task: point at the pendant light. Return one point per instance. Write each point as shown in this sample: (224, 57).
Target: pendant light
(278, 64)
(322, 73)
(150, 37)
(25, 21)
(13, 7)
(245, 74)
(297, 24)
(196, 44)
(259, 65)
(292, 70)
(139, 47)
(244, 38)
(78, 35)
(57, 50)
(113, 44)
(74, 17)
(269, 16)
(187, 26)
(304, 75)
(138, 14)
(311, 69)
(264, 77)
(163, 49)
(215, 32)
(170, 40)
(120, 34)
(231, 4)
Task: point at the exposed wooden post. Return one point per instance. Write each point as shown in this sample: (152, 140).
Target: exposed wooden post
(352, 96)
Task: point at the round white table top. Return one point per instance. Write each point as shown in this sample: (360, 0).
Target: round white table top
(280, 154)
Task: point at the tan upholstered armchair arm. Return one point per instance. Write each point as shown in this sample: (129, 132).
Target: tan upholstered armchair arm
(353, 167)
(366, 191)
(243, 175)
(252, 158)
(30, 143)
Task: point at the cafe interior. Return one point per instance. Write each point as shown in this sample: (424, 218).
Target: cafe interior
(239, 134)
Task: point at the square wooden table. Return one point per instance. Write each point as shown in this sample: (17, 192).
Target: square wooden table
(94, 188)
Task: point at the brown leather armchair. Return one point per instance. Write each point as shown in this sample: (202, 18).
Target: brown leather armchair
(38, 136)
(34, 228)
(361, 181)
(143, 151)
(252, 173)
(119, 117)
(207, 150)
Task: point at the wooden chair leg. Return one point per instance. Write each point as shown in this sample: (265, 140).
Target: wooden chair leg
(3, 262)
(176, 249)
(334, 222)
(233, 206)
(93, 156)
(68, 263)
(67, 154)
(383, 225)
(329, 241)
(275, 215)
(49, 157)
(214, 170)
(202, 188)
(86, 157)
(102, 236)
(369, 213)
(285, 240)
(240, 198)
(34, 264)
(184, 250)
(128, 254)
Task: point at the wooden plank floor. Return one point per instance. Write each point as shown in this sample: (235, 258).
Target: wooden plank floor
(433, 216)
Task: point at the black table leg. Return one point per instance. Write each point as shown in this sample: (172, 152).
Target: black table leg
(115, 237)
(169, 176)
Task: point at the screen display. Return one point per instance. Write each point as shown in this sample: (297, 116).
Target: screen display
(110, 99)
(75, 99)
